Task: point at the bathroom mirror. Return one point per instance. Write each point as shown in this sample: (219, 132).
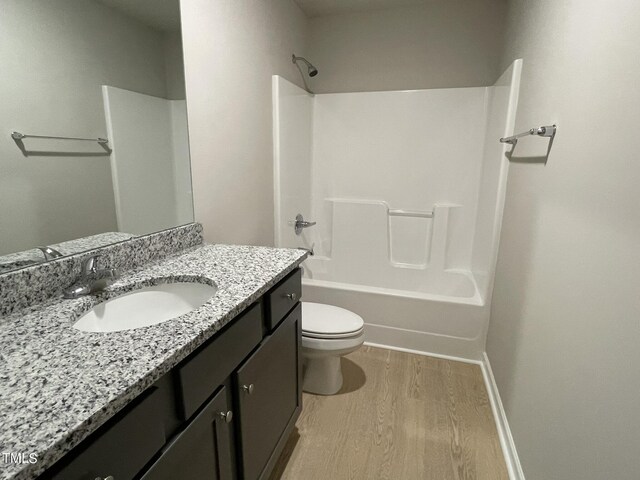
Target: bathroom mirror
(93, 132)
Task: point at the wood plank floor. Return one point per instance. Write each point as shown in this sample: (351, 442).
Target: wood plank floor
(399, 416)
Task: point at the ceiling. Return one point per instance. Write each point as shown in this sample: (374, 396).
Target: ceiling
(317, 8)
(162, 15)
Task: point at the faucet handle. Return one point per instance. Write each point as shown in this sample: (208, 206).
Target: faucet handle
(300, 223)
(90, 264)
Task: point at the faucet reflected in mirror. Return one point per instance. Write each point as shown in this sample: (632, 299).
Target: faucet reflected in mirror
(50, 253)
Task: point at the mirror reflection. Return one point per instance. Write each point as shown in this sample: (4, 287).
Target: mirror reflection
(105, 78)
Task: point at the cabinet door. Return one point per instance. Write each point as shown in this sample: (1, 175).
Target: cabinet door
(269, 396)
(206, 369)
(202, 451)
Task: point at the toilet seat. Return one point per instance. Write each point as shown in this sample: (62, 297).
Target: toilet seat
(329, 336)
(329, 322)
(335, 346)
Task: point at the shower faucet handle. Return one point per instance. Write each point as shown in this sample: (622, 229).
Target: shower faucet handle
(300, 224)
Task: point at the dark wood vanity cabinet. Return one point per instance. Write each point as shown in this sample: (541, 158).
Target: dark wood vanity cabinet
(224, 413)
(202, 450)
(208, 367)
(268, 396)
(121, 448)
(282, 298)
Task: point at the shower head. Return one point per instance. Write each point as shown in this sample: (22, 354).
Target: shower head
(311, 70)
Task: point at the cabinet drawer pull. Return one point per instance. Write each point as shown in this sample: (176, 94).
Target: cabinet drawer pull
(227, 417)
(110, 477)
(292, 296)
(248, 388)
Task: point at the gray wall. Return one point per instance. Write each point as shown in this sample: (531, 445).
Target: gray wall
(565, 331)
(232, 49)
(55, 56)
(453, 43)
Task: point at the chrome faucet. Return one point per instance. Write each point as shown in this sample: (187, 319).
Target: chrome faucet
(91, 278)
(49, 253)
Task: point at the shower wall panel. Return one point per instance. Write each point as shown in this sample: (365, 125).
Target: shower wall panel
(502, 102)
(292, 124)
(411, 149)
(150, 160)
(407, 190)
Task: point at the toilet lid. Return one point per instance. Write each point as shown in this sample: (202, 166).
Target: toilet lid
(329, 321)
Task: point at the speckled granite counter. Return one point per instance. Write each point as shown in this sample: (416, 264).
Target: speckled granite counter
(34, 256)
(58, 385)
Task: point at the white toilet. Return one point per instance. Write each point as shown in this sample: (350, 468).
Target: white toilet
(328, 332)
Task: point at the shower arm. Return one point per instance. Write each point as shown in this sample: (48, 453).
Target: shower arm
(295, 59)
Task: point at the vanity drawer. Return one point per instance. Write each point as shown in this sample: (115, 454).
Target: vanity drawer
(207, 368)
(283, 298)
(123, 446)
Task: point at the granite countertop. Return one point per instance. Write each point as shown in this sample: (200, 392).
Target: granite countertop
(58, 384)
(34, 256)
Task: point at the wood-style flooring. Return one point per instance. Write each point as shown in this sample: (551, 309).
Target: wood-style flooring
(399, 416)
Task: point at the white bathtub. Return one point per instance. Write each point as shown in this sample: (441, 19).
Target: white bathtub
(446, 316)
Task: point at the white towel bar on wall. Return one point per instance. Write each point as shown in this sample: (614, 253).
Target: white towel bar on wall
(20, 136)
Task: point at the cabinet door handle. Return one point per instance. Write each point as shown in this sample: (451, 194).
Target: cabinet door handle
(227, 417)
(248, 388)
(292, 296)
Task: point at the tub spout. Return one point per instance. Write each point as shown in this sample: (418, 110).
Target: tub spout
(309, 250)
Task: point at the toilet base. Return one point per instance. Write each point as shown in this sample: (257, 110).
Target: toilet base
(322, 375)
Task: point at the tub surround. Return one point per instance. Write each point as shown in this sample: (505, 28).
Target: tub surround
(410, 244)
(58, 385)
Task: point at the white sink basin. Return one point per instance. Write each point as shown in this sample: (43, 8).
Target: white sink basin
(145, 307)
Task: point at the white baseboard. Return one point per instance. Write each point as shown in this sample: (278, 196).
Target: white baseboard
(506, 439)
(453, 348)
(421, 352)
(504, 432)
